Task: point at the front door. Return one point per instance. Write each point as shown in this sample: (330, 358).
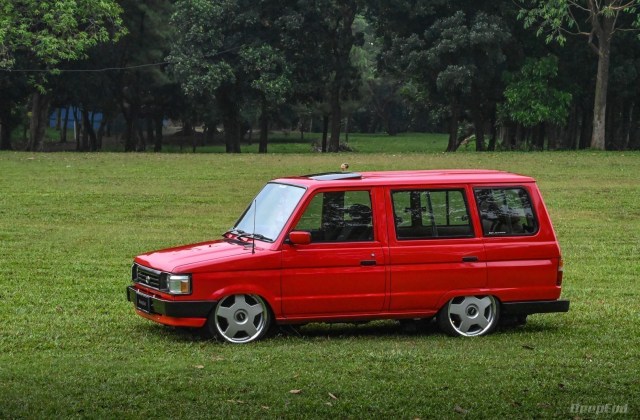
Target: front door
(342, 270)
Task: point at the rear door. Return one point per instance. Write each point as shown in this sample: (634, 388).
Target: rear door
(342, 270)
(522, 251)
(433, 246)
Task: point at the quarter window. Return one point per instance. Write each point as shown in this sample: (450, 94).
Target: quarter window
(506, 211)
(423, 214)
(342, 216)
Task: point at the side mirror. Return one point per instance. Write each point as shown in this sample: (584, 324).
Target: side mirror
(299, 237)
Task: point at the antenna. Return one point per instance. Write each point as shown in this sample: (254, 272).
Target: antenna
(255, 210)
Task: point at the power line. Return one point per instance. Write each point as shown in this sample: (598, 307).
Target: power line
(84, 70)
(105, 69)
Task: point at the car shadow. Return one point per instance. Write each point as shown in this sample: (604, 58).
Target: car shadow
(387, 328)
(344, 330)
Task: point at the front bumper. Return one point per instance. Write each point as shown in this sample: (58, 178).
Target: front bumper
(535, 307)
(151, 305)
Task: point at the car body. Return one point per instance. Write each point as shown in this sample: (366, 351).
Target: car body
(465, 246)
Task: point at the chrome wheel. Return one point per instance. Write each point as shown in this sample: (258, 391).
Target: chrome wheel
(469, 316)
(241, 318)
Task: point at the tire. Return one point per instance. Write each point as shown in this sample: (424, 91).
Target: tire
(239, 319)
(469, 316)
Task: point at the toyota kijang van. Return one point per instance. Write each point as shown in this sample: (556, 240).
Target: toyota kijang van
(468, 247)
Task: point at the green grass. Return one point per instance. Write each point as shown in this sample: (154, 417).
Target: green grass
(71, 346)
(361, 143)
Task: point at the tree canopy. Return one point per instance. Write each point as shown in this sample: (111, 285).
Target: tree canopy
(499, 74)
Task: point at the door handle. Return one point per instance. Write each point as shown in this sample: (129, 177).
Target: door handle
(368, 262)
(470, 258)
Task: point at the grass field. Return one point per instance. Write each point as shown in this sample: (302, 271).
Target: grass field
(291, 143)
(71, 346)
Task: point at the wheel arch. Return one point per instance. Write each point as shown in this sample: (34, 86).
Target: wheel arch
(446, 297)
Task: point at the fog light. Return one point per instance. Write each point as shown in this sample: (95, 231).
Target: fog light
(179, 284)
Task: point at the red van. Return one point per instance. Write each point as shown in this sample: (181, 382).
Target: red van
(469, 247)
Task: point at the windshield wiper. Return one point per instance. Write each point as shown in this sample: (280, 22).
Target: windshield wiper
(234, 231)
(255, 236)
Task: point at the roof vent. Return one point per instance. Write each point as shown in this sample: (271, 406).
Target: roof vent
(334, 176)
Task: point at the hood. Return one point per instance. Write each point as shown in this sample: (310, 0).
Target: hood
(186, 257)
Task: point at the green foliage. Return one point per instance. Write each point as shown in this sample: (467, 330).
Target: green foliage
(72, 347)
(53, 31)
(530, 97)
(268, 70)
(199, 58)
(557, 18)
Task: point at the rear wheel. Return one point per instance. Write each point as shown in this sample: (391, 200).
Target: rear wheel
(469, 316)
(240, 319)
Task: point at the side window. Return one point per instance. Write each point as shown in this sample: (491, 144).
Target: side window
(343, 216)
(506, 211)
(423, 214)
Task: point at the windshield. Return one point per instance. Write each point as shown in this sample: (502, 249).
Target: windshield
(274, 205)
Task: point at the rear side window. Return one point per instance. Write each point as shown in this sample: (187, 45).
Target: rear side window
(506, 211)
(424, 214)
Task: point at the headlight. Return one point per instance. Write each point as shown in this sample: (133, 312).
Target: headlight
(179, 284)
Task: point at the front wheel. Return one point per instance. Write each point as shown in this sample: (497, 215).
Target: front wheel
(469, 316)
(240, 319)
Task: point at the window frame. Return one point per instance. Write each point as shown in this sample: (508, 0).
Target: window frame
(307, 203)
(504, 188)
(434, 227)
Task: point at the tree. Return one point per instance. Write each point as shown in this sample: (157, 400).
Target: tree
(338, 20)
(557, 18)
(229, 51)
(456, 59)
(139, 94)
(530, 99)
(48, 33)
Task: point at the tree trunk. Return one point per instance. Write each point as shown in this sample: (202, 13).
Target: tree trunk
(325, 132)
(130, 114)
(6, 127)
(634, 129)
(554, 137)
(585, 129)
(264, 126)
(58, 118)
(452, 146)
(77, 128)
(230, 121)
(65, 126)
(89, 141)
(142, 141)
(101, 129)
(158, 144)
(336, 118)
(478, 125)
(627, 117)
(5, 136)
(151, 137)
(39, 119)
(346, 128)
(602, 84)
(569, 139)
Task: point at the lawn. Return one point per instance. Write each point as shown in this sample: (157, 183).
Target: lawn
(71, 346)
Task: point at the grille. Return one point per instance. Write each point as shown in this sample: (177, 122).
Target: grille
(149, 277)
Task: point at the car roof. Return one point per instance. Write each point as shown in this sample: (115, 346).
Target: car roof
(381, 178)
